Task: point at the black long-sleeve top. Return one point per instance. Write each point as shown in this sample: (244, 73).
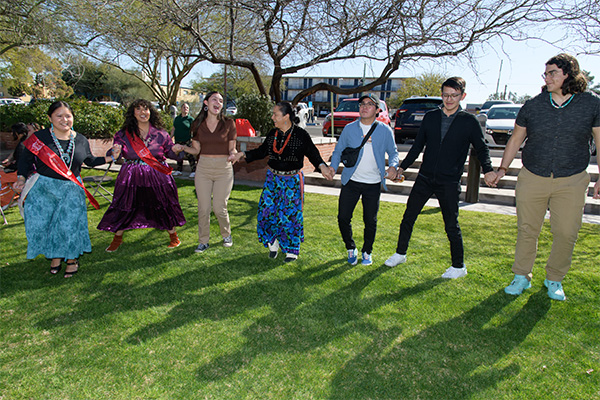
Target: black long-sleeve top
(444, 159)
(82, 155)
(292, 157)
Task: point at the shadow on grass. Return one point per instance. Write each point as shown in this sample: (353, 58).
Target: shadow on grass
(453, 359)
(310, 325)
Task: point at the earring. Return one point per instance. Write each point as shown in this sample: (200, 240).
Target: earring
(205, 108)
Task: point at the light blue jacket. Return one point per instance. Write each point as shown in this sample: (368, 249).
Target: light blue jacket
(383, 142)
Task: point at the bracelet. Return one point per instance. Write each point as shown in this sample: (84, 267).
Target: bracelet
(113, 157)
(504, 168)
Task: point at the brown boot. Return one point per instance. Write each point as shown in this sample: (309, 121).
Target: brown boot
(116, 242)
(175, 242)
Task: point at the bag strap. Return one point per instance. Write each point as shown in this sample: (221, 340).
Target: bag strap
(368, 135)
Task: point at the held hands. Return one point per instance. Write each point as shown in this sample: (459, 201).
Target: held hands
(116, 150)
(327, 172)
(177, 148)
(19, 184)
(391, 173)
(491, 178)
(235, 157)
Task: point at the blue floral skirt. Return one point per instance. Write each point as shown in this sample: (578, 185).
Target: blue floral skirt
(280, 212)
(56, 223)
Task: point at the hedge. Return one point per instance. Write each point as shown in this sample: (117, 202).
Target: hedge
(93, 120)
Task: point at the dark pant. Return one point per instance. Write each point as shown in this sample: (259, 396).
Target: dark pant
(190, 157)
(351, 192)
(447, 195)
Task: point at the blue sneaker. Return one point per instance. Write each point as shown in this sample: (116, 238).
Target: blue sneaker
(516, 287)
(352, 256)
(555, 290)
(366, 259)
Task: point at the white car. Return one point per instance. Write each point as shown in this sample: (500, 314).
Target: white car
(5, 101)
(231, 110)
(110, 103)
(302, 114)
(500, 123)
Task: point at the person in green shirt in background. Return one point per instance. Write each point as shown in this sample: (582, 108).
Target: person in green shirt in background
(181, 135)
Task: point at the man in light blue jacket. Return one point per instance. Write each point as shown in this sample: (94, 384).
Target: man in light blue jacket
(365, 178)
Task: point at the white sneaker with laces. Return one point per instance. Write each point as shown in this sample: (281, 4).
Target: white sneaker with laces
(395, 260)
(192, 174)
(176, 173)
(453, 273)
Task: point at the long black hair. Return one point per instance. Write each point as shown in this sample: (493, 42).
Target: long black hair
(204, 113)
(131, 125)
(19, 129)
(286, 108)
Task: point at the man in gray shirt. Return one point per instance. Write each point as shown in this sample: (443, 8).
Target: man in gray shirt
(559, 125)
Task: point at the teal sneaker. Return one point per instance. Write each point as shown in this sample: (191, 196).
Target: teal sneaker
(555, 290)
(352, 256)
(516, 287)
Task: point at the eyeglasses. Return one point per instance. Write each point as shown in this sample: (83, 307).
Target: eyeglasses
(451, 95)
(367, 104)
(550, 74)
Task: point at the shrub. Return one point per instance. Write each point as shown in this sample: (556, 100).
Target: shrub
(257, 109)
(93, 120)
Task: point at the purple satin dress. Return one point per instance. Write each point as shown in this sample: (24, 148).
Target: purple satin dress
(144, 197)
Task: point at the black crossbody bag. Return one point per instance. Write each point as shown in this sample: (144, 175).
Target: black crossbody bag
(350, 154)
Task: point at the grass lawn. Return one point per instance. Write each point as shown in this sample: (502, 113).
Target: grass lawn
(148, 322)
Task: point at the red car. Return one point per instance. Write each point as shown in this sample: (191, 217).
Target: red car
(347, 112)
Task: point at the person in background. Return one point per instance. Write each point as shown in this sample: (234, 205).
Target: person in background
(447, 134)
(145, 193)
(55, 211)
(366, 177)
(559, 125)
(280, 220)
(214, 138)
(181, 135)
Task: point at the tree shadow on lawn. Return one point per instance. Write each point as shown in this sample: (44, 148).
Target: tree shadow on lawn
(302, 327)
(453, 359)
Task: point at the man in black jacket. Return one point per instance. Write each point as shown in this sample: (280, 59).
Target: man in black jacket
(447, 135)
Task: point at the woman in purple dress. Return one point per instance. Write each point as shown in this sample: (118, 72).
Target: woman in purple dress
(145, 192)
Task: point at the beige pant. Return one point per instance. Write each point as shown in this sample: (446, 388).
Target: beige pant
(214, 181)
(565, 197)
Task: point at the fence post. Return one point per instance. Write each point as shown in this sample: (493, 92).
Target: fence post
(473, 177)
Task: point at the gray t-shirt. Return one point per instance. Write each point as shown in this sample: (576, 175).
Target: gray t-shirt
(558, 139)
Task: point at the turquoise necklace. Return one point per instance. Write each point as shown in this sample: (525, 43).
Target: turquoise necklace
(563, 105)
(68, 159)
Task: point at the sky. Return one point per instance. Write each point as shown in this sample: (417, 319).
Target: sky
(522, 66)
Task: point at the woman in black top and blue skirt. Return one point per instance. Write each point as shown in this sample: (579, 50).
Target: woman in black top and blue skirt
(280, 220)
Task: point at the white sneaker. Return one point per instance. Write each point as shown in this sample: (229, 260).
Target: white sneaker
(192, 174)
(176, 173)
(395, 260)
(453, 273)
(273, 249)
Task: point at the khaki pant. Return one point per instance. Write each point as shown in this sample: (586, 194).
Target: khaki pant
(214, 181)
(565, 197)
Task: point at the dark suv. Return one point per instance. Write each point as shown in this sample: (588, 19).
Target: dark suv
(410, 114)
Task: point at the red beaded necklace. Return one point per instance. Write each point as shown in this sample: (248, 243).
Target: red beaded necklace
(284, 143)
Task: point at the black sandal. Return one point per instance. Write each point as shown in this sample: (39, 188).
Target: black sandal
(55, 270)
(69, 274)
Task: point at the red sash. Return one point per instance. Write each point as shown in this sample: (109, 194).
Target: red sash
(52, 160)
(142, 151)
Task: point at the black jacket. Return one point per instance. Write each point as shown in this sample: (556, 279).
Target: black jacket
(444, 160)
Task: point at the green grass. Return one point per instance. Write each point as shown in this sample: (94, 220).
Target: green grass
(149, 322)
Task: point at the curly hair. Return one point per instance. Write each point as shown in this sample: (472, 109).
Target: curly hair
(131, 125)
(575, 81)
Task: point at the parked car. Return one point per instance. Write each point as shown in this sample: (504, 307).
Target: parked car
(110, 103)
(488, 104)
(231, 109)
(302, 112)
(410, 115)
(5, 101)
(500, 123)
(347, 112)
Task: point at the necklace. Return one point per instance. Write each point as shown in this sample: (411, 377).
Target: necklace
(287, 140)
(563, 105)
(67, 159)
